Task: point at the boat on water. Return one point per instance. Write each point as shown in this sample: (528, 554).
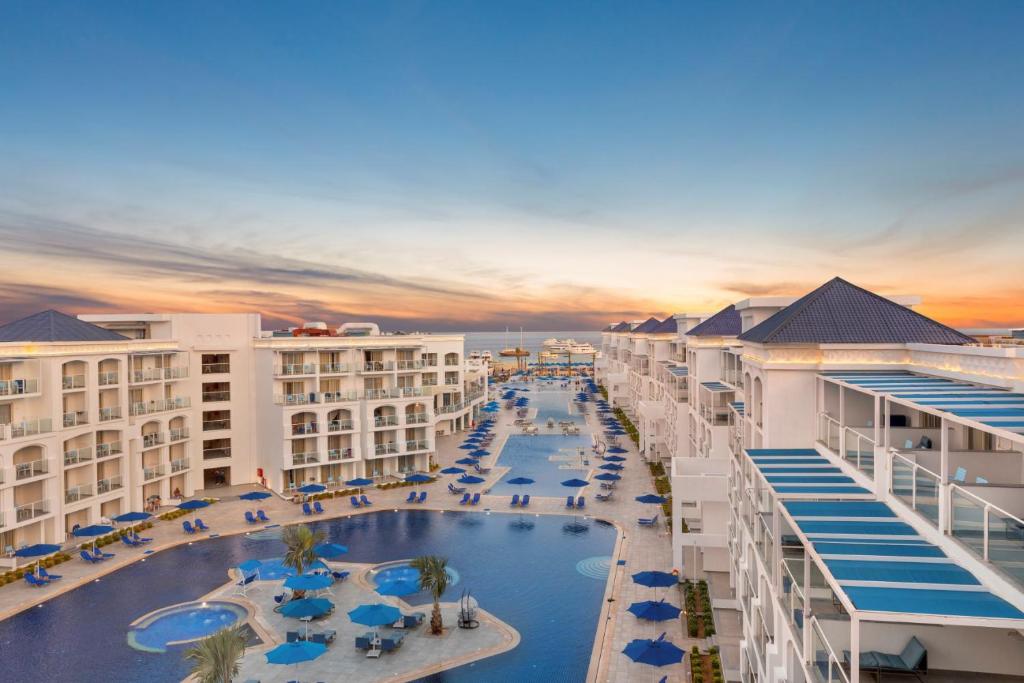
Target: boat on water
(567, 346)
(514, 351)
(481, 355)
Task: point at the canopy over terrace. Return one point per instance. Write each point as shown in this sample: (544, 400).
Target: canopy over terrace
(799, 473)
(881, 570)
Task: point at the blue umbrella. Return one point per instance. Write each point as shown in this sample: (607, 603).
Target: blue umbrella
(192, 505)
(465, 461)
(330, 550)
(37, 550)
(296, 652)
(399, 587)
(617, 449)
(614, 458)
(375, 615)
(93, 530)
(480, 454)
(312, 488)
(655, 579)
(651, 499)
(468, 446)
(359, 482)
(254, 495)
(575, 483)
(654, 610)
(419, 478)
(658, 652)
(132, 517)
(250, 566)
(611, 466)
(308, 582)
(470, 479)
(456, 470)
(307, 607)
(520, 481)
(607, 476)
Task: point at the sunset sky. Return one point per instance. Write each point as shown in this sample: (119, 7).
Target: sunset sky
(471, 165)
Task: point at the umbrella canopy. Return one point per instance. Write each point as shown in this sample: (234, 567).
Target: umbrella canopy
(375, 615)
(296, 652)
(575, 483)
(607, 476)
(307, 607)
(37, 550)
(455, 470)
(480, 453)
(520, 481)
(651, 499)
(399, 587)
(617, 449)
(192, 505)
(654, 610)
(330, 550)
(468, 446)
(611, 466)
(250, 565)
(614, 458)
(312, 488)
(254, 495)
(658, 652)
(132, 517)
(93, 530)
(358, 482)
(470, 479)
(308, 582)
(419, 478)
(465, 461)
(655, 579)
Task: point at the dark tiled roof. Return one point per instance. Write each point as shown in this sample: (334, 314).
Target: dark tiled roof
(648, 325)
(842, 313)
(621, 327)
(725, 323)
(55, 326)
(668, 325)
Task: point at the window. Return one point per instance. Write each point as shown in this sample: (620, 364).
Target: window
(214, 363)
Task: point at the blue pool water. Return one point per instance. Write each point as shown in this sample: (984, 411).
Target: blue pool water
(552, 403)
(271, 568)
(527, 456)
(526, 574)
(185, 623)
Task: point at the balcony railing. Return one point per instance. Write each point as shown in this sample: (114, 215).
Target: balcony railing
(333, 368)
(407, 392)
(410, 364)
(160, 405)
(826, 667)
(916, 486)
(385, 448)
(416, 418)
(305, 458)
(451, 407)
(829, 431)
(104, 450)
(27, 470)
(73, 382)
(76, 493)
(176, 372)
(77, 456)
(215, 396)
(153, 472)
(109, 484)
(106, 379)
(17, 387)
(23, 513)
(793, 601)
(75, 418)
(147, 375)
(305, 428)
(379, 366)
(859, 450)
(385, 421)
(992, 532)
(339, 425)
(339, 454)
(111, 413)
(378, 394)
(152, 440)
(338, 396)
(213, 453)
(179, 465)
(417, 445)
(292, 369)
(213, 425)
(215, 368)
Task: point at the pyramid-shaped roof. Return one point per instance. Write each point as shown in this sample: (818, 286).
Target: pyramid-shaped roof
(621, 327)
(54, 326)
(647, 326)
(667, 326)
(839, 312)
(725, 323)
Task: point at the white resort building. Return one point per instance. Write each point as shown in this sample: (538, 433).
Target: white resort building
(846, 474)
(102, 414)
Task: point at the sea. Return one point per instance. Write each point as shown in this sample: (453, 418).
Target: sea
(531, 341)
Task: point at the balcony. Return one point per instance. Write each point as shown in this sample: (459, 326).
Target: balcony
(385, 421)
(305, 428)
(73, 382)
(111, 413)
(333, 368)
(179, 465)
(176, 372)
(335, 454)
(23, 513)
(147, 375)
(339, 425)
(305, 458)
(385, 448)
(178, 434)
(295, 399)
(410, 392)
(451, 408)
(214, 453)
(18, 387)
(78, 456)
(338, 396)
(381, 394)
(27, 470)
(152, 440)
(849, 443)
(75, 418)
(18, 430)
(379, 366)
(410, 365)
(107, 379)
(216, 396)
(161, 405)
(214, 425)
(109, 484)
(104, 450)
(294, 369)
(149, 473)
(77, 493)
(416, 418)
(215, 368)
(417, 445)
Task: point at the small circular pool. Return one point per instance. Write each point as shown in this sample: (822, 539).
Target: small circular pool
(183, 623)
(272, 569)
(402, 571)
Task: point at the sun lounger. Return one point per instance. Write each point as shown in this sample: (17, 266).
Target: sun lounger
(187, 526)
(392, 643)
(465, 499)
(913, 660)
(476, 499)
(262, 516)
(411, 498)
(354, 501)
(306, 510)
(365, 501)
(292, 636)
(644, 521)
(47, 575)
(89, 558)
(129, 542)
(318, 508)
(580, 502)
(100, 555)
(35, 582)
(201, 525)
(604, 497)
(325, 638)
(249, 517)
(364, 641)
(339, 576)
(141, 540)
(515, 500)
(456, 490)
(608, 486)
(526, 501)
(570, 501)
(410, 620)
(423, 497)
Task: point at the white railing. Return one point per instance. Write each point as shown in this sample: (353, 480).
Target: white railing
(215, 368)
(179, 465)
(378, 366)
(147, 375)
(385, 421)
(73, 382)
(76, 493)
(212, 425)
(992, 532)
(31, 510)
(305, 428)
(451, 408)
(378, 394)
(333, 368)
(338, 396)
(18, 430)
(416, 418)
(216, 396)
(417, 445)
(109, 484)
(825, 665)
(177, 434)
(295, 399)
(213, 453)
(153, 472)
(291, 369)
(829, 431)
(410, 364)
(105, 379)
(385, 448)
(793, 601)
(76, 417)
(916, 486)
(78, 455)
(27, 470)
(339, 454)
(106, 449)
(160, 405)
(176, 372)
(305, 458)
(17, 387)
(111, 413)
(407, 392)
(339, 425)
(858, 450)
(151, 440)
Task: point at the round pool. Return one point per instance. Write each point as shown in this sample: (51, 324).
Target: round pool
(402, 571)
(183, 623)
(272, 569)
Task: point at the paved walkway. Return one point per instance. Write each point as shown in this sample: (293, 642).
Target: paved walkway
(637, 548)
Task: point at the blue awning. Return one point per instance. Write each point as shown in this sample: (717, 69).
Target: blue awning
(814, 475)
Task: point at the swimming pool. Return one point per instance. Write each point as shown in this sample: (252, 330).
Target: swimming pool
(527, 575)
(527, 456)
(183, 623)
(553, 403)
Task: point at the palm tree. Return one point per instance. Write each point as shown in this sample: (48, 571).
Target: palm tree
(215, 659)
(301, 542)
(434, 578)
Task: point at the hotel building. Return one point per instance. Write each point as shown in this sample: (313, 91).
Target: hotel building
(850, 482)
(102, 414)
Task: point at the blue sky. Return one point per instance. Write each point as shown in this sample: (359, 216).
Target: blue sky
(472, 165)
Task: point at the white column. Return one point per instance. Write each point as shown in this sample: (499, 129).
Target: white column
(854, 648)
(944, 508)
